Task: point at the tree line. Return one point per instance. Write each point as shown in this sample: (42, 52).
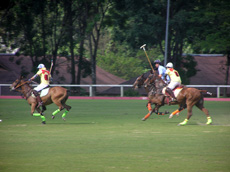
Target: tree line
(109, 33)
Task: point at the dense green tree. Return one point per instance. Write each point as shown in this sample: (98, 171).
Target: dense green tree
(98, 14)
(111, 32)
(215, 36)
(138, 22)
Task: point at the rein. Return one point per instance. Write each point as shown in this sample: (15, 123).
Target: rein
(26, 93)
(21, 84)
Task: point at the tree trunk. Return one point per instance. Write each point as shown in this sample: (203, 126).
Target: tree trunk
(69, 16)
(81, 50)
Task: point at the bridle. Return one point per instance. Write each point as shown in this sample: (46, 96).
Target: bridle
(19, 84)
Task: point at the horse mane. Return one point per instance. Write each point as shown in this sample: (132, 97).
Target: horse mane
(158, 83)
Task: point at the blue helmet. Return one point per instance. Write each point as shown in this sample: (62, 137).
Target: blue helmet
(157, 61)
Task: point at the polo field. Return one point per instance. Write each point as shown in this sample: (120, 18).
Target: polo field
(109, 136)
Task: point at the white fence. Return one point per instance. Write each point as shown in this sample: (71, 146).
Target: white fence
(90, 87)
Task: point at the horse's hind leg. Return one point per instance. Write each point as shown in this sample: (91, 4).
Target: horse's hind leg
(190, 104)
(200, 105)
(67, 107)
(59, 104)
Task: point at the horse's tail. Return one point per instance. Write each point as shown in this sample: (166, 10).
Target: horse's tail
(206, 92)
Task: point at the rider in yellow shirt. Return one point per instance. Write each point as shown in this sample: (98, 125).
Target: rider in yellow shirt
(175, 80)
(45, 81)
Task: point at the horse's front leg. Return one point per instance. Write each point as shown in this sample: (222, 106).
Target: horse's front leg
(39, 114)
(33, 106)
(155, 109)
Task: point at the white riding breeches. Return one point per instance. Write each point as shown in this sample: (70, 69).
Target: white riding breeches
(173, 85)
(40, 87)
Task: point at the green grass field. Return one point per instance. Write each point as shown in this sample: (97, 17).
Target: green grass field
(109, 136)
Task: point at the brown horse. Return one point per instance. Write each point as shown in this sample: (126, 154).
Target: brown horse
(57, 95)
(187, 97)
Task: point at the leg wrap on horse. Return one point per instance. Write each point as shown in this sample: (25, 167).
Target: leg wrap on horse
(38, 114)
(209, 120)
(64, 114)
(55, 112)
(149, 107)
(146, 117)
(43, 118)
(184, 122)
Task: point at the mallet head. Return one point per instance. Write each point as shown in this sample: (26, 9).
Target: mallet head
(143, 47)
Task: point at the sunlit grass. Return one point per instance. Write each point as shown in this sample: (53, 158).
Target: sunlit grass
(109, 136)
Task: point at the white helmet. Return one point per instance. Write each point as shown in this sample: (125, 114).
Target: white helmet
(41, 66)
(170, 65)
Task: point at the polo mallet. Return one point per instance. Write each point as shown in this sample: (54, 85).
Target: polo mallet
(143, 47)
(51, 66)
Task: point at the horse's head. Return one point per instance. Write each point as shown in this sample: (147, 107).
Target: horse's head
(139, 82)
(150, 80)
(17, 84)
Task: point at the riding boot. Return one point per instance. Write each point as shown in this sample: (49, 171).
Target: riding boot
(38, 98)
(171, 94)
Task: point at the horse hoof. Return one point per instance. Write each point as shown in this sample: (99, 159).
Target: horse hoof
(53, 116)
(63, 119)
(143, 119)
(208, 123)
(43, 122)
(180, 124)
(43, 108)
(170, 116)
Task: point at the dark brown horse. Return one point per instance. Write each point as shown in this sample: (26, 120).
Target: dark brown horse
(151, 92)
(187, 97)
(57, 95)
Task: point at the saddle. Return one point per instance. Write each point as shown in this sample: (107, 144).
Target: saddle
(43, 93)
(176, 90)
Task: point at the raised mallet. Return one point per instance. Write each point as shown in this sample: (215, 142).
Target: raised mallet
(51, 66)
(143, 47)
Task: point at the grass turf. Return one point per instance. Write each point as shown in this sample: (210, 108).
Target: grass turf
(109, 136)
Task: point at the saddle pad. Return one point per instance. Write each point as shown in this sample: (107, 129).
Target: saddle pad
(175, 91)
(44, 92)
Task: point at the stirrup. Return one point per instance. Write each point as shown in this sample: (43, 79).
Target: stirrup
(173, 100)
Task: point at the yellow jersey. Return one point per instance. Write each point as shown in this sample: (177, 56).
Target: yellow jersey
(44, 76)
(173, 74)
